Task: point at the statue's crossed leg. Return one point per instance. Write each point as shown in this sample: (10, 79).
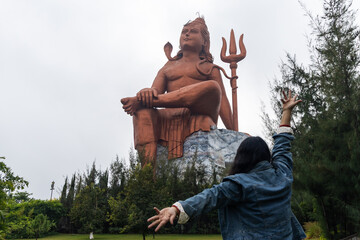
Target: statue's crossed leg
(202, 98)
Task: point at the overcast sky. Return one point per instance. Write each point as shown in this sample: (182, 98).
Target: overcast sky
(64, 66)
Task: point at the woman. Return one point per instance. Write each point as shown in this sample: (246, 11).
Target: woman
(254, 201)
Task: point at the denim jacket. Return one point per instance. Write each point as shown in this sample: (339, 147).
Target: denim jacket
(253, 205)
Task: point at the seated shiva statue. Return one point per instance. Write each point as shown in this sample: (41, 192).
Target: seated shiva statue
(186, 96)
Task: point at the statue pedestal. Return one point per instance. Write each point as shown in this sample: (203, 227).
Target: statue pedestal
(216, 148)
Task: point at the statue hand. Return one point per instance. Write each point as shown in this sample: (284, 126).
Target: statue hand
(289, 102)
(146, 96)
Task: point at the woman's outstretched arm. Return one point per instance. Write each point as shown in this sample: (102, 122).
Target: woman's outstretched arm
(212, 198)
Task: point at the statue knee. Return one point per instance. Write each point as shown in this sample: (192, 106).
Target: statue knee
(214, 87)
(214, 92)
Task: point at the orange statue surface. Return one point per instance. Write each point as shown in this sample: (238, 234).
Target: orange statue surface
(187, 95)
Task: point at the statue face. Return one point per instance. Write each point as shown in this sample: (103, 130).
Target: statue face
(191, 38)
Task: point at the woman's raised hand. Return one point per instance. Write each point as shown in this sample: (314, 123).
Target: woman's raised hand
(288, 101)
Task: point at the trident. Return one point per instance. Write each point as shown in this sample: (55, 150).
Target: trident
(233, 59)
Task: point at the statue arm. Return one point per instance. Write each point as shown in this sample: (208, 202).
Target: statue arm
(147, 95)
(159, 83)
(225, 109)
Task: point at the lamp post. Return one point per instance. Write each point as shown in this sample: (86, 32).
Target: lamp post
(52, 189)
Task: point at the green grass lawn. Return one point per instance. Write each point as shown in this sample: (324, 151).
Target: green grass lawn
(132, 237)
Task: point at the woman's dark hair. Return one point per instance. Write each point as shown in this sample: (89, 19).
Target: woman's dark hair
(250, 152)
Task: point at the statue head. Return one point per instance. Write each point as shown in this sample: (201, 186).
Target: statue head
(205, 50)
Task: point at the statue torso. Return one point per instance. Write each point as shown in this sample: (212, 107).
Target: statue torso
(179, 74)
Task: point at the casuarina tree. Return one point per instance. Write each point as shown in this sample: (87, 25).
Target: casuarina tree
(327, 149)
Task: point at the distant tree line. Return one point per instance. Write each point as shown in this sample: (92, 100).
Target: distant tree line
(115, 200)
(120, 199)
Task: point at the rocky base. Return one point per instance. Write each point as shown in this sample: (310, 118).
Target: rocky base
(214, 149)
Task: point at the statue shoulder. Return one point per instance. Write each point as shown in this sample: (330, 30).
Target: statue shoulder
(166, 66)
(169, 63)
(207, 68)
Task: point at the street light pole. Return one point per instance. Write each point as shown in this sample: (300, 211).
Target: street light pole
(52, 189)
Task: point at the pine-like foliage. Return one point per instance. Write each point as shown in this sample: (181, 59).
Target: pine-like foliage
(64, 192)
(327, 146)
